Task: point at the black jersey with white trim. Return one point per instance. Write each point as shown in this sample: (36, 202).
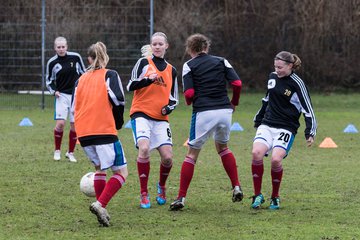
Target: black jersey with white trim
(63, 71)
(285, 100)
(208, 75)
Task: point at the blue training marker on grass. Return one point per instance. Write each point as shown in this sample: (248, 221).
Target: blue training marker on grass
(26, 122)
(236, 127)
(128, 124)
(350, 129)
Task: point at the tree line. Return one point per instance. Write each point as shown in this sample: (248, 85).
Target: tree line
(249, 33)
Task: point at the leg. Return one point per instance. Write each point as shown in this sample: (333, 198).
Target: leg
(257, 167)
(58, 135)
(72, 143)
(186, 174)
(110, 155)
(229, 163)
(276, 169)
(165, 168)
(99, 181)
(114, 184)
(143, 166)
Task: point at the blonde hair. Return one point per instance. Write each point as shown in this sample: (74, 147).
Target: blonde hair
(146, 49)
(289, 57)
(197, 43)
(98, 53)
(60, 39)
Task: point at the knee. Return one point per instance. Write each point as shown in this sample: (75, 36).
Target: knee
(167, 159)
(60, 126)
(276, 162)
(257, 154)
(220, 147)
(123, 172)
(144, 151)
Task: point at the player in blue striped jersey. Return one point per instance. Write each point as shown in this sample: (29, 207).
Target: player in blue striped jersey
(277, 122)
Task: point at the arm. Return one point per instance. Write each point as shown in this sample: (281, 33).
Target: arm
(174, 96)
(307, 110)
(188, 87)
(235, 82)
(116, 97)
(50, 78)
(72, 109)
(138, 79)
(260, 114)
(81, 67)
(237, 85)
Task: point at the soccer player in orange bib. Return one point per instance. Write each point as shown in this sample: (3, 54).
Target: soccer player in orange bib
(154, 83)
(98, 106)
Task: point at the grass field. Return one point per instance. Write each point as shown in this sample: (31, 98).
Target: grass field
(40, 198)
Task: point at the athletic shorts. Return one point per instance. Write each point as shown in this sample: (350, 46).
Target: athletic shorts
(215, 123)
(274, 137)
(107, 155)
(158, 132)
(62, 107)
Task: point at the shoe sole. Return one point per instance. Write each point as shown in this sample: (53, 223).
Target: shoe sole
(257, 206)
(71, 160)
(176, 207)
(103, 222)
(160, 201)
(238, 197)
(274, 208)
(145, 206)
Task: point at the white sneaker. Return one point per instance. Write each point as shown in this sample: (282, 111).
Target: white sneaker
(101, 213)
(70, 156)
(57, 155)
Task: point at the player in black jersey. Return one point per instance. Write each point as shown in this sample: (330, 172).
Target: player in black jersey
(205, 80)
(62, 71)
(277, 123)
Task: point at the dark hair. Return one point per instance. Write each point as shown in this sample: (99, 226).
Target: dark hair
(289, 58)
(197, 43)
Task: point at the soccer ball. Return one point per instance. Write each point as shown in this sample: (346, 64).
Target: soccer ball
(87, 184)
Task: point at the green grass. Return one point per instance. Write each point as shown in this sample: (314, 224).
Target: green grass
(40, 198)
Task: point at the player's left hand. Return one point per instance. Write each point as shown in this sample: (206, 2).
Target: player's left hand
(310, 141)
(166, 110)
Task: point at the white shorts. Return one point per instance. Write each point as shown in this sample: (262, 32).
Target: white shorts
(107, 155)
(62, 107)
(215, 123)
(158, 132)
(274, 137)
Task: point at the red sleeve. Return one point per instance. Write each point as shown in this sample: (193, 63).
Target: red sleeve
(189, 95)
(237, 85)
